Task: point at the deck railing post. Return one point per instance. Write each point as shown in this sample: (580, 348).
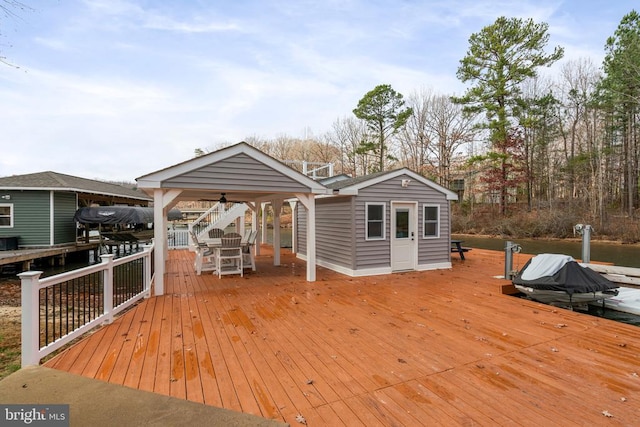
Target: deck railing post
(146, 262)
(108, 287)
(30, 300)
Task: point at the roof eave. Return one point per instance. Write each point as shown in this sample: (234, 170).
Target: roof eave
(75, 190)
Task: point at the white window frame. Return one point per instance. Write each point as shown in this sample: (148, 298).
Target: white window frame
(424, 221)
(10, 206)
(366, 220)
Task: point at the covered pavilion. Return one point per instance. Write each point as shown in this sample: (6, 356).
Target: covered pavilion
(239, 173)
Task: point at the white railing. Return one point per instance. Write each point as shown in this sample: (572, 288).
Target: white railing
(313, 172)
(59, 309)
(178, 239)
(219, 216)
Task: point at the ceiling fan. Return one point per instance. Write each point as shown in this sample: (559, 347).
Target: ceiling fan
(223, 199)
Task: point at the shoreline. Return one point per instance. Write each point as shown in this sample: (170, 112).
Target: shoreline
(551, 239)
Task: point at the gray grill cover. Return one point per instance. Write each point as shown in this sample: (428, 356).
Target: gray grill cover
(561, 273)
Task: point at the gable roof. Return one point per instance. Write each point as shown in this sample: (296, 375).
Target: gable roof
(57, 181)
(352, 185)
(240, 171)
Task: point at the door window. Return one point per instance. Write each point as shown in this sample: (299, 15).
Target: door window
(402, 223)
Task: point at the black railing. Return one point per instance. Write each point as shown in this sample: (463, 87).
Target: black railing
(128, 281)
(66, 306)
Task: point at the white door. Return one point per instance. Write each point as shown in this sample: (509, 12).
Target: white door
(404, 235)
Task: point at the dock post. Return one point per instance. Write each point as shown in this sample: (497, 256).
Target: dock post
(585, 231)
(586, 244)
(509, 249)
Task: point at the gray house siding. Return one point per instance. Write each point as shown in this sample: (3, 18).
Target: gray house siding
(65, 206)
(301, 229)
(377, 253)
(237, 173)
(341, 227)
(335, 231)
(371, 253)
(31, 211)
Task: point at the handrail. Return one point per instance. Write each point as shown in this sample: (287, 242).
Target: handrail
(207, 213)
(84, 298)
(218, 216)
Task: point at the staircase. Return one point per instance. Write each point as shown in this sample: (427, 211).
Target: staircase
(219, 216)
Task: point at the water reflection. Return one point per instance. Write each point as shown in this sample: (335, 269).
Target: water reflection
(615, 253)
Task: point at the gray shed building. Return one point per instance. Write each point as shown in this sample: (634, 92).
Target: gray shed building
(381, 223)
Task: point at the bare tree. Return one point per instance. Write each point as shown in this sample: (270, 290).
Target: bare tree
(434, 133)
(582, 148)
(451, 128)
(9, 9)
(414, 137)
(347, 134)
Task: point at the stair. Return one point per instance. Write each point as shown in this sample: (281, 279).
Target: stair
(219, 216)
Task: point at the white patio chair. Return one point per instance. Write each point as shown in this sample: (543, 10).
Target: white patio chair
(248, 257)
(205, 256)
(229, 256)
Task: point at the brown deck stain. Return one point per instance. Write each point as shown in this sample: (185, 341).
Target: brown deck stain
(269, 410)
(139, 348)
(412, 394)
(191, 365)
(198, 330)
(177, 365)
(381, 381)
(107, 365)
(152, 346)
(207, 365)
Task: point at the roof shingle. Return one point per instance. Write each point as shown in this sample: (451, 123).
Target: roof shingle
(57, 181)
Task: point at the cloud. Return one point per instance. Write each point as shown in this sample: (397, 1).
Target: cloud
(119, 88)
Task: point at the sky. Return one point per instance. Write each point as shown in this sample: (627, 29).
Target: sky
(116, 89)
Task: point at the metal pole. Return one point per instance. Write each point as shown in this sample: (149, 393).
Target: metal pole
(508, 260)
(586, 244)
(509, 250)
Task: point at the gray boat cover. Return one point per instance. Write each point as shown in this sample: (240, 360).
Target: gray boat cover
(557, 272)
(120, 215)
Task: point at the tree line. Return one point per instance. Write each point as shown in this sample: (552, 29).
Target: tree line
(516, 139)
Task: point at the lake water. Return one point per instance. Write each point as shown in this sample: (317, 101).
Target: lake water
(615, 253)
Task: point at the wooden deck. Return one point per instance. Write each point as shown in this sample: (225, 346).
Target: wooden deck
(430, 348)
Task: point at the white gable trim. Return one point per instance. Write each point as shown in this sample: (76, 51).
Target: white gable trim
(154, 179)
(353, 189)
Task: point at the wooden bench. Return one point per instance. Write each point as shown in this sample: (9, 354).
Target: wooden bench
(456, 246)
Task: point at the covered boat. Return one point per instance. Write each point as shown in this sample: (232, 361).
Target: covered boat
(138, 216)
(120, 215)
(560, 280)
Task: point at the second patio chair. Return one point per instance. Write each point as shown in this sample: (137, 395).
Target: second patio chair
(248, 258)
(205, 257)
(229, 256)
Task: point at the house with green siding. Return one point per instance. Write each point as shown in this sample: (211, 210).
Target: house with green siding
(36, 210)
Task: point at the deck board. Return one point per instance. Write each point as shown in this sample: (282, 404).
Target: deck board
(419, 348)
